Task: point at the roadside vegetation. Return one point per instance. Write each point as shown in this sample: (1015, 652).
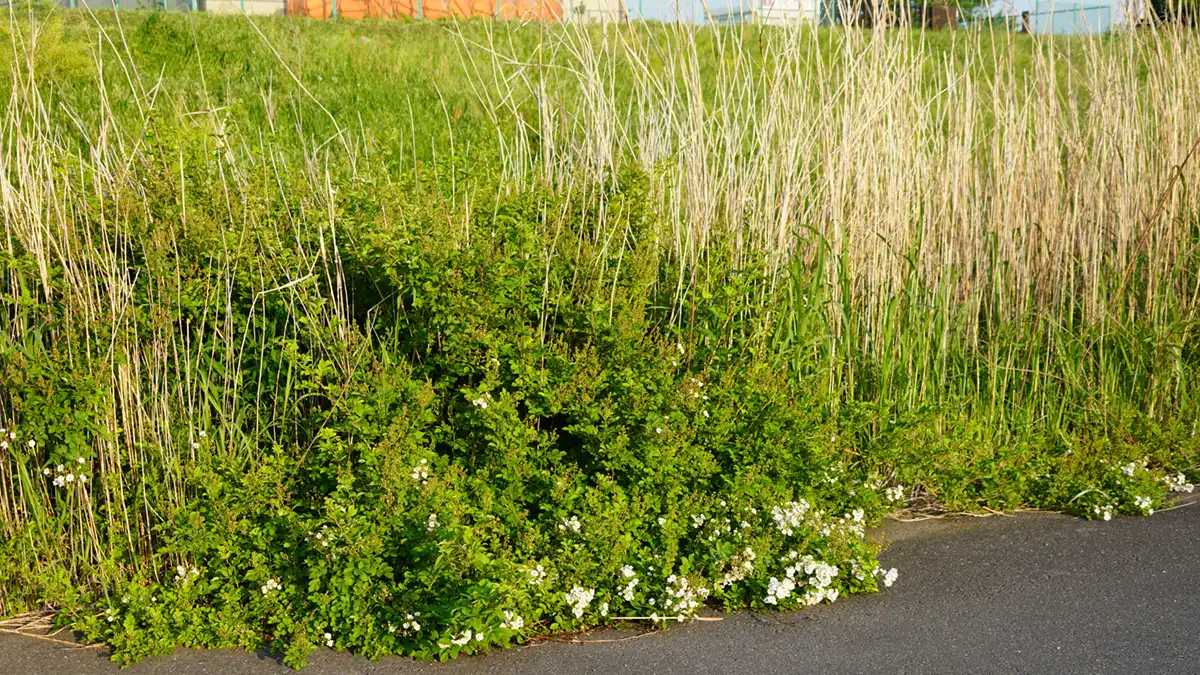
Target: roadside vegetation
(429, 338)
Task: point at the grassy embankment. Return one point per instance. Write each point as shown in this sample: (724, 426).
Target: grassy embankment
(344, 322)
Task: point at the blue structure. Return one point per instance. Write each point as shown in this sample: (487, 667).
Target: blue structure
(1069, 18)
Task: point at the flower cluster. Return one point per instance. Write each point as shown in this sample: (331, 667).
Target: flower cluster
(789, 517)
(463, 638)
(1143, 504)
(579, 598)
(889, 577)
(682, 598)
(183, 575)
(431, 523)
(321, 537)
(741, 565)
(512, 621)
(1178, 483)
(271, 585)
(571, 524)
(411, 624)
(855, 522)
(778, 590)
(1105, 511)
(895, 493)
(804, 570)
(328, 640)
(482, 403)
(420, 472)
(64, 475)
(1129, 468)
(537, 575)
(627, 592)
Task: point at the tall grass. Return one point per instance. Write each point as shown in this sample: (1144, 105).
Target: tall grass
(1006, 229)
(1022, 235)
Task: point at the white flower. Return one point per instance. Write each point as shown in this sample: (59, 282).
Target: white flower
(3, 445)
(778, 590)
(658, 430)
(571, 524)
(1105, 511)
(46, 471)
(1179, 484)
(59, 468)
(70, 478)
(32, 443)
(790, 516)
(195, 446)
(328, 640)
(537, 575)
(662, 521)
(604, 609)
(431, 523)
(895, 493)
(271, 585)
(627, 571)
(705, 413)
(83, 478)
(59, 481)
(463, 638)
(80, 460)
(1144, 503)
(420, 471)
(110, 614)
(482, 401)
(579, 598)
(203, 434)
(512, 621)
(627, 592)
(889, 577)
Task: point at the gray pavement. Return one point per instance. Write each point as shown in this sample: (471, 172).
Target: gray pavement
(1033, 593)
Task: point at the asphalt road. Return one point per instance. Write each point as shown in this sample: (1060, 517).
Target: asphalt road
(1034, 593)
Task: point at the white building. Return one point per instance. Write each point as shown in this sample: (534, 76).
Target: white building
(594, 10)
(247, 6)
(776, 12)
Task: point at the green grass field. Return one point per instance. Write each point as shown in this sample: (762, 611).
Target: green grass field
(429, 338)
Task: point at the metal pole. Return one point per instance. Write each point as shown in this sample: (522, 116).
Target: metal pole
(420, 9)
(334, 8)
